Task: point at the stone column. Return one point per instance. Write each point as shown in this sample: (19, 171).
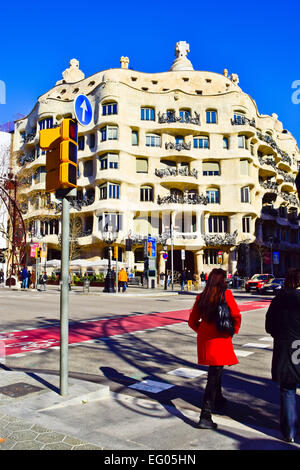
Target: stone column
(199, 262)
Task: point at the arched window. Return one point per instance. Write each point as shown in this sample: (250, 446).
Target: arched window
(213, 195)
(201, 142)
(146, 193)
(153, 140)
(185, 115)
(245, 194)
(109, 108)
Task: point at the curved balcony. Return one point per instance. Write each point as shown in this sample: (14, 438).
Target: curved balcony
(184, 199)
(243, 121)
(287, 186)
(169, 172)
(220, 239)
(171, 121)
(285, 163)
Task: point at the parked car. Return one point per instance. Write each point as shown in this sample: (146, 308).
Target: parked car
(273, 286)
(257, 281)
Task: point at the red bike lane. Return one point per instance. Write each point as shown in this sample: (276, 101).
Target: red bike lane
(18, 342)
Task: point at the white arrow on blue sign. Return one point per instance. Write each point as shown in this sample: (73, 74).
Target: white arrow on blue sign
(83, 110)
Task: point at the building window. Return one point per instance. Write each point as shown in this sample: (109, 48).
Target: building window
(239, 118)
(147, 114)
(245, 194)
(211, 169)
(210, 256)
(201, 142)
(153, 140)
(109, 161)
(134, 138)
(46, 123)
(142, 165)
(225, 143)
(109, 108)
(213, 195)
(241, 142)
(246, 221)
(81, 142)
(40, 175)
(110, 191)
(179, 139)
(217, 224)
(185, 115)
(92, 141)
(146, 194)
(112, 220)
(88, 168)
(109, 133)
(244, 167)
(211, 117)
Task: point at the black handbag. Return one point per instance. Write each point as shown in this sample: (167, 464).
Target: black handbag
(224, 322)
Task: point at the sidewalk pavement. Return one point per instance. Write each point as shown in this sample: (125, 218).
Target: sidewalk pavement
(34, 416)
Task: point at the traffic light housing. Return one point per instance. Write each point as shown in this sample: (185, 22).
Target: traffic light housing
(116, 252)
(61, 144)
(38, 253)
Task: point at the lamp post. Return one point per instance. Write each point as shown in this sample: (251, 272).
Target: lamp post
(109, 238)
(165, 247)
(271, 243)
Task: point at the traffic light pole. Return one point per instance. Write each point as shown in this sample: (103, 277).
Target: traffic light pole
(64, 297)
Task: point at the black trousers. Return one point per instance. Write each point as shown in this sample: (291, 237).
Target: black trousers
(212, 390)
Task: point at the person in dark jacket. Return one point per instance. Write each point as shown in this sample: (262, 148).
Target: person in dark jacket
(283, 324)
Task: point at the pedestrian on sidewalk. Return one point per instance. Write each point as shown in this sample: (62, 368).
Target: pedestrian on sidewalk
(24, 278)
(43, 281)
(283, 324)
(123, 279)
(214, 348)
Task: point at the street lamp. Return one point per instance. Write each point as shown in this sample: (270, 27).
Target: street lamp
(109, 238)
(271, 243)
(165, 247)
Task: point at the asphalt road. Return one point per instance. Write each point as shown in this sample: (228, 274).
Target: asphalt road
(165, 354)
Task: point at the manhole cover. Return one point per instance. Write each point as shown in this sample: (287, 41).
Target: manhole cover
(19, 389)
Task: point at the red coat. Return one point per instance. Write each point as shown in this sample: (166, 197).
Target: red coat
(215, 348)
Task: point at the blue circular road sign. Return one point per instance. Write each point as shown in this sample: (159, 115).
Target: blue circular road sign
(83, 110)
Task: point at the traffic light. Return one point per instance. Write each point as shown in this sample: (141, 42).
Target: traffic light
(61, 144)
(38, 253)
(116, 252)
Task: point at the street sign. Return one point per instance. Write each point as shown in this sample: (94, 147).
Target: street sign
(151, 244)
(165, 256)
(83, 110)
(182, 254)
(33, 249)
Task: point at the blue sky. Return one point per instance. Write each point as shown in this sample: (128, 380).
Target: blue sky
(258, 40)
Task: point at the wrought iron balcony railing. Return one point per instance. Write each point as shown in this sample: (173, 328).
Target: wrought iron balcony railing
(186, 199)
(161, 173)
(269, 140)
(178, 146)
(171, 118)
(242, 121)
(26, 158)
(219, 239)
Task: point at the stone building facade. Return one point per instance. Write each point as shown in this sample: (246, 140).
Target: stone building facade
(183, 156)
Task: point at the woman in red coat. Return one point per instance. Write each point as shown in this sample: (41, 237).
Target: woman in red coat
(214, 348)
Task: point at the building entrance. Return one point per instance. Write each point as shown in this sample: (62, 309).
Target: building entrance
(189, 263)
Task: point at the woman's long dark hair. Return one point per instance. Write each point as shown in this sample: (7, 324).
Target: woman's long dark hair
(292, 280)
(209, 299)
